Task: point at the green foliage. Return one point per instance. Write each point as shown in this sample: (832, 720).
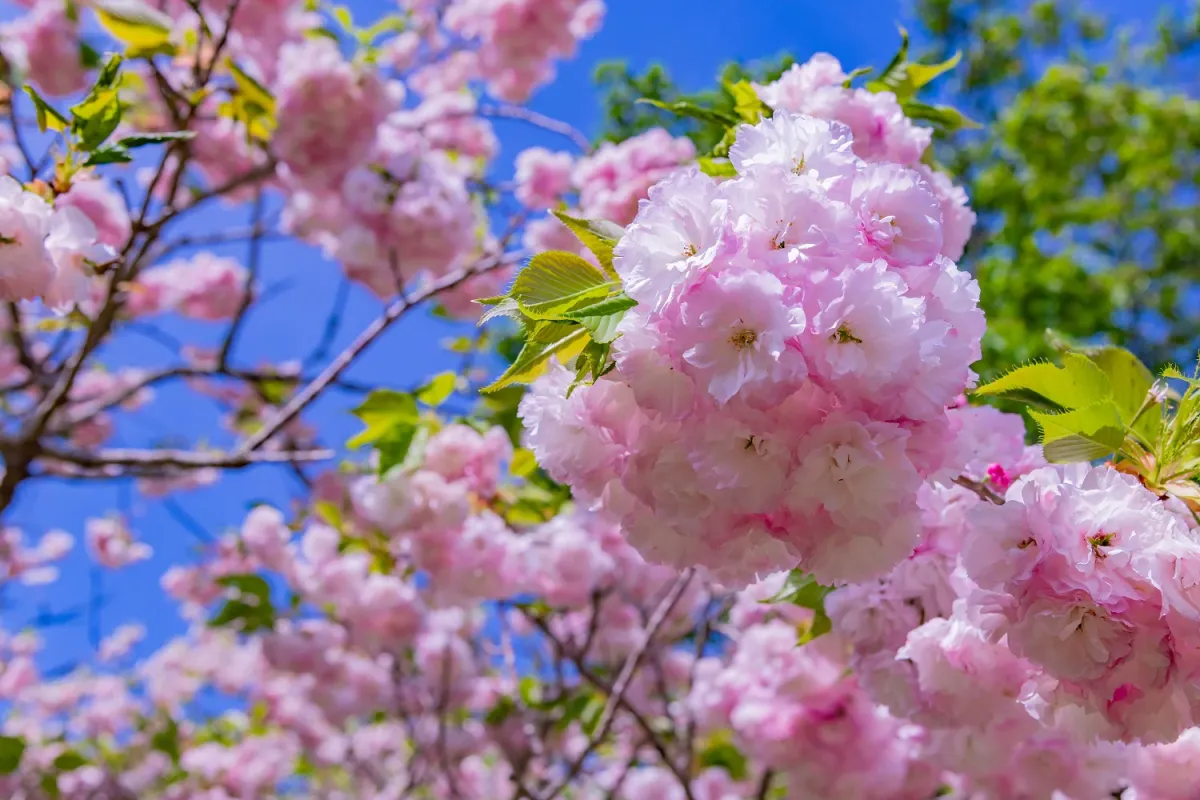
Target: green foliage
(383, 411)
(800, 589)
(718, 750)
(144, 31)
(249, 609)
(12, 748)
(250, 103)
(566, 308)
(1084, 178)
(1089, 407)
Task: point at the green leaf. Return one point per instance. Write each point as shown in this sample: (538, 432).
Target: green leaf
(597, 235)
(716, 167)
(96, 117)
(856, 73)
(110, 73)
(438, 389)
(395, 446)
(497, 714)
(11, 750)
(383, 410)
(342, 14)
(1077, 383)
(108, 155)
(1129, 379)
(556, 282)
(47, 118)
(523, 462)
(720, 751)
(901, 56)
(683, 108)
(602, 318)
(144, 31)
(166, 740)
(549, 338)
(721, 149)
(89, 57)
(251, 89)
(919, 75)
(945, 118)
(248, 584)
(1098, 425)
(746, 103)
(69, 760)
(144, 139)
(801, 590)
(591, 364)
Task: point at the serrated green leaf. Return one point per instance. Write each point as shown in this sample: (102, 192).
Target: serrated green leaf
(438, 389)
(597, 235)
(1098, 424)
(555, 282)
(144, 139)
(383, 410)
(1075, 449)
(110, 73)
(1129, 379)
(11, 750)
(1172, 371)
(1077, 383)
(602, 317)
(548, 339)
(48, 119)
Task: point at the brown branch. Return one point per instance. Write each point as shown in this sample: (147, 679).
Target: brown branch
(180, 459)
(365, 339)
(539, 120)
(616, 696)
(984, 491)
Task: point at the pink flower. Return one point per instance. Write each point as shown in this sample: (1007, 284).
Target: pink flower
(26, 270)
(542, 177)
(45, 42)
(112, 544)
(899, 217)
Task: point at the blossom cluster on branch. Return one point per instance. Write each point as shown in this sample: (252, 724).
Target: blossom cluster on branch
(743, 537)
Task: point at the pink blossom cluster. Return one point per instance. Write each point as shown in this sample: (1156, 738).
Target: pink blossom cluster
(46, 252)
(45, 44)
(608, 183)
(520, 40)
(781, 389)
(881, 132)
(204, 287)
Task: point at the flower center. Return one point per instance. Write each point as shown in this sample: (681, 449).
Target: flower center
(843, 335)
(689, 251)
(1101, 540)
(743, 338)
(798, 166)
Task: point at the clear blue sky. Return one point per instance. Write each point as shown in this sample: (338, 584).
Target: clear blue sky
(693, 38)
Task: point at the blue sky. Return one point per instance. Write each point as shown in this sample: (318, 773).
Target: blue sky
(693, 38)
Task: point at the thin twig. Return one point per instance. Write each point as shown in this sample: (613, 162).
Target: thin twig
(372, 332)
(540, 120)
(983, 490)
(181, 459)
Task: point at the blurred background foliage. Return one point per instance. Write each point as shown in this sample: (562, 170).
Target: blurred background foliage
(1084, 175)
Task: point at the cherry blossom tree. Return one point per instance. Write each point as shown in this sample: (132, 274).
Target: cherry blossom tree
(724, 524)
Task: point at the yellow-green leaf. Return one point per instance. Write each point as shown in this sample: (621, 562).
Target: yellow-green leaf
(1077, 383)
(746, 102)
(48, 119)
(547, 339)
(1087, 433)
(144, 30)
(382, 411)
(439, 388)
(523, 463)
(597, 235)
(556, 282)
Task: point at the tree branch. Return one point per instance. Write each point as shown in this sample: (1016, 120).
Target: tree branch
(372, 332)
